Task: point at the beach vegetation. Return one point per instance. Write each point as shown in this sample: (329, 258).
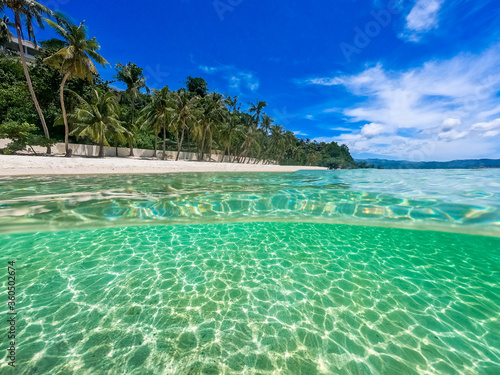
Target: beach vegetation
(98, 119)
(73, 60)
(28, 12)
(132, 76)
(22, 135)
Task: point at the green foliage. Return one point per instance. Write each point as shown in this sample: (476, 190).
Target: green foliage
(22, 135)
(197, 86)
(364, 165)
(74, 59)
(145, 139)
(98, 119)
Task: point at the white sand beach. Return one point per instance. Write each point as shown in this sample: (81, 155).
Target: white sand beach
(25, 165)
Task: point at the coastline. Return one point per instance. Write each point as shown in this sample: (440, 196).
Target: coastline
(27, 165)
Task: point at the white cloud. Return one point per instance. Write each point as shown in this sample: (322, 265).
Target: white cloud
(492, 125)
(373, 129)
(449, 123)
(237, 79)
(452, 135)
(208, 69)
(321, 81)
(298, 132)
(422, 18)
(444, 103)
(309, 117)
(342, 129)
(487, 129)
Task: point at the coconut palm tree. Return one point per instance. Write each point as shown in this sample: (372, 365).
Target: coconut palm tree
(186, 110)
(157, 115)
(256, 108)
(213, 114)
(4, 30)
(28, 11)
(250, 142)
(132, 76)
(74, 60)
(98, 118)
(289, 144)
(266, 123)
(275, 146)
(226, 132)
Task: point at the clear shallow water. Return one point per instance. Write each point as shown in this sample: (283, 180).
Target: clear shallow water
(249, 295)
(450, 200)
(257, 298)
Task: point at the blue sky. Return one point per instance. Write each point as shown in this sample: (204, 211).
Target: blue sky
(410, 79)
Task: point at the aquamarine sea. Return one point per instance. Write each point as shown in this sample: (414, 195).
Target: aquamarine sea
(313, 272)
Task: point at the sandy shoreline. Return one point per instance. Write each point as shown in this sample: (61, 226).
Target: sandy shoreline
(24, 165)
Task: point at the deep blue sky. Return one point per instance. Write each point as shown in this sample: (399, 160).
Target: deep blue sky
(422, 85)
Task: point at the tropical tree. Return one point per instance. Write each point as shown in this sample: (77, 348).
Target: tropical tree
(157, 115)
(74, 60)
(98, 118)
(227, 130)
(185, 110)
(266, 123)
(28, 11)
(257, 109)
(212, 116)
(4, 30)
(132, 76)
(290, 145)
(232, 103)
(197, 86)
(250, 142)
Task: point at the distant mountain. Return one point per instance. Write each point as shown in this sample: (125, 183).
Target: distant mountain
(454, 164)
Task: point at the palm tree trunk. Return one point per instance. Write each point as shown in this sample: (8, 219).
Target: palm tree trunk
(179, 144)
(116, 148)
(210, 148)
(164, 141)
(201, 154)
(156, 145)
(65, 117)
(101, 143)
(28, 79)
(130, 140)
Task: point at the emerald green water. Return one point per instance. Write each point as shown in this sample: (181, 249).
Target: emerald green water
(134, 280)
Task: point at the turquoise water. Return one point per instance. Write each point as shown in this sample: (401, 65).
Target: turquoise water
(303, 273)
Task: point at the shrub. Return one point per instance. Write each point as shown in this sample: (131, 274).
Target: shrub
(22, 135)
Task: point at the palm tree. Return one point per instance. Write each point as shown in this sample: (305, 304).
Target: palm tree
(185, 111)
(98, 118)
(28, 10)
(4, 30)
(266, 123)
(256, 108)
(157, 115)
(250, 142)
(214, 113)
(275, 147)
(226, 132)
(132, 76)
(73, 60)
(290, 145)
